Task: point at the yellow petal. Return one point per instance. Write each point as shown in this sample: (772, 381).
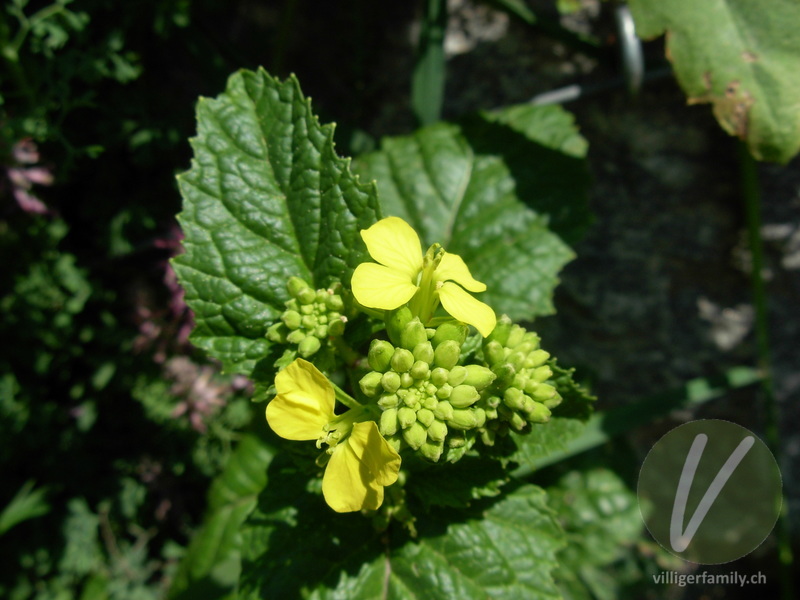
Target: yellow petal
(376, 286)
(393, 243)
(304, 404)
(453, 268)
(358, 470)
(465, 308)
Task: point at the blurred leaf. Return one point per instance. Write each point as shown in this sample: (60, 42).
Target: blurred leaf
(82, 554)
(299, 548)
(26, 504)
(211, 566)
(428, 77)
(266, 198)
(739, 55)
(467, 188)
(600, 516)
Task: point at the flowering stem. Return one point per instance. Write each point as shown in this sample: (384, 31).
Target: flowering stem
(344, 397)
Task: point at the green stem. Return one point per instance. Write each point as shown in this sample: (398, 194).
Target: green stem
(427, 80)
(752, 205)
(344, 397)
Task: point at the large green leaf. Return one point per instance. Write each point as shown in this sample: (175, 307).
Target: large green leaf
(739, 55)
(497, 549)
(489, 191)
(211, 566)
(266, 198)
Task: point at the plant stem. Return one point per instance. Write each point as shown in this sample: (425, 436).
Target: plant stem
(752, 205)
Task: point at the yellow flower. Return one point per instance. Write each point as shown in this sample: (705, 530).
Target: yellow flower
(361, 461)
(405, 275)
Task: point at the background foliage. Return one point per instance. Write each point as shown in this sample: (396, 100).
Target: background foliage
(131, 465)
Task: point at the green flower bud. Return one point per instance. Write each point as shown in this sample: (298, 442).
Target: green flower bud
(406, 417)
(296, 336)
(424, 352)
(462, 419)
(429, 402)
(443, 393)
(539, 414)
(295, 285)
(388, 401)
(457, 375)
(309, 346)
(515, 336)
(420, 370)
(494, 353)
(491, 413)
(309, 321)
(380, 355)
(488, 437)
(306, 309)
(538, 358)
(505, 374)
(439, 376)
(411, 399)
(437, 431)
(321, 331)
(277, 333)
(415, 435)
(450, 330)
(320, 298)
(463, 396)
(446, 354)
(516, 359)
(390, 382)
(322, 319)
(478, 377)
(514, 398)
(517, 422)
(551, 403)
(336, 326)
(370, 384)
(291, 319)
(402, 360)
(425, 416)
(406, 380)
(493, 401)
(396, 322)
(306, 296)
(395, 442)
(480, 417)
(541, 374)
(443, 411)
(388, 425)
(456, 440)
(501, 330)
(334, 303)
(413, 334)
(432, 450)
(544, 392)
(429, 332)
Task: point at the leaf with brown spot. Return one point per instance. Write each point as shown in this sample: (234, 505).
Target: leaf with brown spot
(740, 56)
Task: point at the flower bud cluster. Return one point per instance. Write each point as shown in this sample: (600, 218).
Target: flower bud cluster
(521, 394)
(428, 400)
(311, 316)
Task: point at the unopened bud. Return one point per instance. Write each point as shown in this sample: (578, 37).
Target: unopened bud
(425, 416)
(402, 360)
(480, 416)
(443, 393)
(462, 419)
(554, 401)
(450, 330)
(309, 346)
(515, 336)
(306, 296)
(424, 352)
(437, 431)
(544, 392)
(276, 333)
(443, 411)
(413, 334)
(295, 285)
(291, 319)
(439, 376)
(446, 354)
(478, 377)
(388, 401)
(406, 380)
(334, 303)
(420, 370)
(388, 424)
(501, 330)
(494, 353)
(457, 375)
(370, 384)
(539, 414)
(308, 321)
(505, 374)
(406, 417)
(463, 396)
(517, 422)
(396, 322)
(432, 450)
(514, 398)
(336, 327)
(390, 382)
(380, 355)
(538, 358)
(321, 331)
(296, 336)
(415, 435)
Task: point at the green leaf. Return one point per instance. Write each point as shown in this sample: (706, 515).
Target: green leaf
(428, 77)
(470, 479)
(739, 55)
(487, 191)
(211, 565)
(600, 516)
(266, 198)
(27, 503)
(299, 548)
